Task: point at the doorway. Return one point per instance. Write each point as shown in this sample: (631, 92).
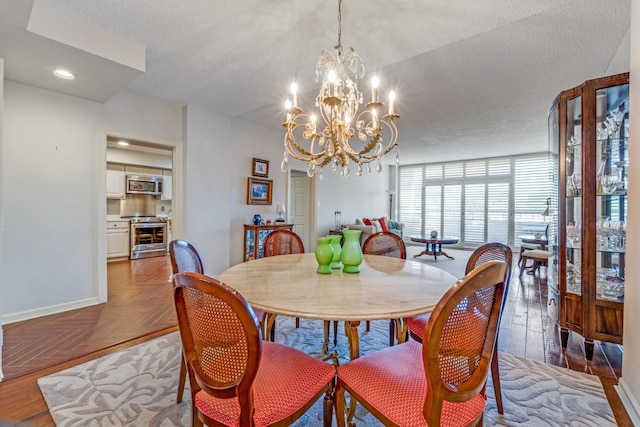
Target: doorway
(142, 153)
(302, 207)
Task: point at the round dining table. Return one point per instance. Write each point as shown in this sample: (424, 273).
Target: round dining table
(385, 288)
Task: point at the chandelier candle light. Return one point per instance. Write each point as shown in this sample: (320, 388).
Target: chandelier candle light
(328, 129)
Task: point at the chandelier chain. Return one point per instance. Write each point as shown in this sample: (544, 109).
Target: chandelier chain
(339, 24)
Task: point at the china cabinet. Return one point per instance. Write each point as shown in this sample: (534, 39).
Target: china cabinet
(590, 125)
(254, 238)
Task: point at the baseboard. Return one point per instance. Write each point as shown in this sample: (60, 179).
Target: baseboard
(46, 311)
(628, 401)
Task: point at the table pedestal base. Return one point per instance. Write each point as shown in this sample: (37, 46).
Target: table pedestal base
(433, 252)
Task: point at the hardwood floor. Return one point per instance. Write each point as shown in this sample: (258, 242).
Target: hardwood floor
(140, 307)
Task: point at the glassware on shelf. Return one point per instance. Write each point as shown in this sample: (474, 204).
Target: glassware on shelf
(574, 185)
(602, 133)
(573, 235)
(600, 177)
(611, 236)
(573, 141)
(609, 285)
(573, 279)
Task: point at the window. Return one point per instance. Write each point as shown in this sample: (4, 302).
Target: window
(476, 201)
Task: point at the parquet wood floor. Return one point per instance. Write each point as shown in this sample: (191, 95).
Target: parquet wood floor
(140, 307)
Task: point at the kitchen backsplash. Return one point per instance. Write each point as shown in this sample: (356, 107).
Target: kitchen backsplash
(113, 207)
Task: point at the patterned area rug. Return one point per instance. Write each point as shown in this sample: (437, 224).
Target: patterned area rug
(137, 386)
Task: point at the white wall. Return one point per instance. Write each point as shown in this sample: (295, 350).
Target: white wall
(249, 141)
(630, 382)
(2, 180)
(48, 197)
(51, 142)
(207, 186)
(355, 197)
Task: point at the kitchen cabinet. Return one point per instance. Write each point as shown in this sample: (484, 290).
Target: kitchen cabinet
(118, 240)
(592, 132)
(254, 238)
(167, 185)
(143, 171)
(115, 181)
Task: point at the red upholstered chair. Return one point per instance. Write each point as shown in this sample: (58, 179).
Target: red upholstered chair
(237, 379)
(185, 258)
(441, 381)
(483, 254)
(282, 242)
(385, 243)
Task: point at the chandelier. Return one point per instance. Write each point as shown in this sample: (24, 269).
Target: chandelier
(335, 132)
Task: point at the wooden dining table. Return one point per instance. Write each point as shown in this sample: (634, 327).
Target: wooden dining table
(385, 288)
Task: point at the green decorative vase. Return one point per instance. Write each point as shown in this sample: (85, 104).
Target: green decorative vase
(351, 255)
(324, 255)
(334, 241)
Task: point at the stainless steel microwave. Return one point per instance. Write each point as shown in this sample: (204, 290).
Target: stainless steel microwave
(151, 185)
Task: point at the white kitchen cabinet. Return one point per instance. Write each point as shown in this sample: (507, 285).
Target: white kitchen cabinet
(118, 240)
(115, 181)
(143, 171)
(167, 185)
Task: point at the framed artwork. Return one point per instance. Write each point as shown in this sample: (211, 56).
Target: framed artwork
(260, 168)
(259, 191)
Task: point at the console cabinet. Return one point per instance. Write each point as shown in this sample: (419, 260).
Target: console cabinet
(591, 130)
(254, 238)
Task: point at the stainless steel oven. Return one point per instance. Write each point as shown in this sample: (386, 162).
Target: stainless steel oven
(148, 237)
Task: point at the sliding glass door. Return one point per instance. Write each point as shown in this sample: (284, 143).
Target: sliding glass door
(477, 201)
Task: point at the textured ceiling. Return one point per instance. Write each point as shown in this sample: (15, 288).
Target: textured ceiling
(473, 78)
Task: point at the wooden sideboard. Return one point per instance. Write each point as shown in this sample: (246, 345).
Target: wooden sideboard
(254, 238)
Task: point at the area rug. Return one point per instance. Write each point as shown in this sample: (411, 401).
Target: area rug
(137, 386)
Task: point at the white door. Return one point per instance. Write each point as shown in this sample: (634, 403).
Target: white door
(300, 211)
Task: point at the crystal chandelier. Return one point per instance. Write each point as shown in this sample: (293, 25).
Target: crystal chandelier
(335, 131)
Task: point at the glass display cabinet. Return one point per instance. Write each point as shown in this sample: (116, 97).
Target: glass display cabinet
(592, 133)
(254, 238)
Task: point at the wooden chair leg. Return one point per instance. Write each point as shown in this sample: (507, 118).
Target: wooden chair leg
(368, 326)
(392, 332)
(297, 322)
(523, 267)
(495, 377)
(181, 380)
(335, 333)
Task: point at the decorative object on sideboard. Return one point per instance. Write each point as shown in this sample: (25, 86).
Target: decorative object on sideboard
(325, 136)
(259, 191)
(260, 168)
(257, 219)
(280, 210)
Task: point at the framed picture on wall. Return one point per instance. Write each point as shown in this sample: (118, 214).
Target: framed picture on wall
(260, 168)
(259, 191)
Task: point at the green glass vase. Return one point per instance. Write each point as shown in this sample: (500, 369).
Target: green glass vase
(324, 255)
(351, 255)
(334, 241)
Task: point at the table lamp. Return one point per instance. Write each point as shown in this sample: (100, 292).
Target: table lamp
(281, 210)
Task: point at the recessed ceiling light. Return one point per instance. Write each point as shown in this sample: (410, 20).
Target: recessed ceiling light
(123, 143)
(63, 74)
